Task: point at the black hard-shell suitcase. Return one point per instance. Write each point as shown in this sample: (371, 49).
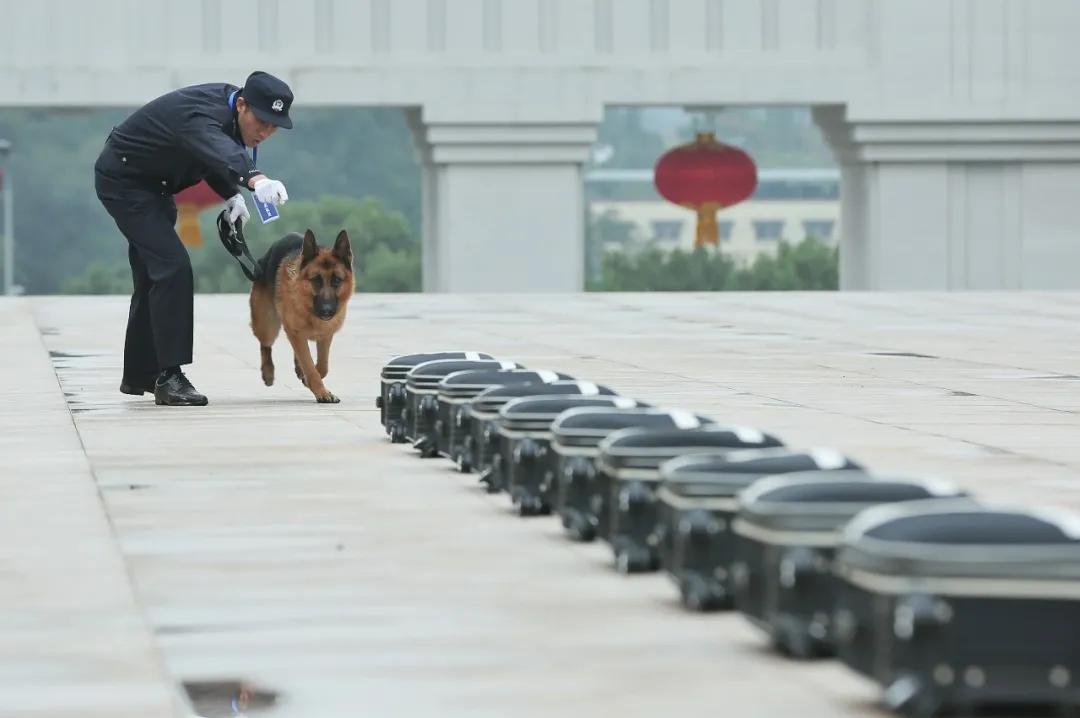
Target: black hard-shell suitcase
(391, 399)
(953, 606)
(629, 464)
(581, 492)
(524, 465)
(422, 397)
(697, 504)
(456, 392)
(484, 414)
(786, 533)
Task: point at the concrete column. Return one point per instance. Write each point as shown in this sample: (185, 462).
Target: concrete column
(957, 204)
(855, 230)
(428, 203)
(503, 205)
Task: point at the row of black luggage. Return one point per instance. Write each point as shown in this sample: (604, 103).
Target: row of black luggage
(949, 603)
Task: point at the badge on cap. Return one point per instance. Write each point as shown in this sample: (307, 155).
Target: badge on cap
(278, 106)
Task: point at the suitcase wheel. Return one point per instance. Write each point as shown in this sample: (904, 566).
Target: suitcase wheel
(526, 452)
(426, 446)
(792, 639)
(632, 558)
(910, 696)
(395, 396)
(490, 478)
(465, 464)
(531, 505)
(700, 595)
(578, 526)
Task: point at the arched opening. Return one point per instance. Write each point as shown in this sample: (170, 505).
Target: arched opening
(785, 236)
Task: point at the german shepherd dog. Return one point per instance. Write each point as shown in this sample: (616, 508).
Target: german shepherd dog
(304, 288)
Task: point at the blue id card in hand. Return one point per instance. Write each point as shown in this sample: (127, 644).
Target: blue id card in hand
(267, 212)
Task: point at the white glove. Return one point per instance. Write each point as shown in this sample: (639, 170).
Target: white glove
(237, 208)
(270, 191)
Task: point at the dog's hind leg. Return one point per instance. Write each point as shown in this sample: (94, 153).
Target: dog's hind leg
(322, 355)
(266, 324)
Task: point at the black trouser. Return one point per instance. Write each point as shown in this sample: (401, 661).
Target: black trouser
(161, 317)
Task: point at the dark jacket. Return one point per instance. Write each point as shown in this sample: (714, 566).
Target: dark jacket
(180, 138)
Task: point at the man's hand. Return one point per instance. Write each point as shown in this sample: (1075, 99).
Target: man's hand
(237, 208)
(270, 191)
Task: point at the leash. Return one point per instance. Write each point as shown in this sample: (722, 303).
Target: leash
(232, 238)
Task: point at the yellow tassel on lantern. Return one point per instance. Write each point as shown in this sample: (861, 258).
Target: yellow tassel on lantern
(187, 225)
(708, 232)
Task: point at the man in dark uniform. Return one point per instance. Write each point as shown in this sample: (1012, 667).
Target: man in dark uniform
(194, 133)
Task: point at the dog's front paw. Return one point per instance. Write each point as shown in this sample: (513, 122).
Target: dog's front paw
(327, 398)
(268, 376)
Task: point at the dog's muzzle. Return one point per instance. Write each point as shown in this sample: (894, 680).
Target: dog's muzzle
(325, 312)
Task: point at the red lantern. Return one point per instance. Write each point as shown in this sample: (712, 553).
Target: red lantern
(189, 203)
(705, 176)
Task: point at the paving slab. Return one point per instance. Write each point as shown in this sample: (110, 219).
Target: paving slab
(74, 640)
(277, 541)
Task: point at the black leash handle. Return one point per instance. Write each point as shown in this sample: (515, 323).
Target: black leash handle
(232, 237)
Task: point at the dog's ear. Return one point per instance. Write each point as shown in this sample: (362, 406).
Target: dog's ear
(310, 248)
(342, 248)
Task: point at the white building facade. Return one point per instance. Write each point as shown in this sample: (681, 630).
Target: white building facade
(956, 123)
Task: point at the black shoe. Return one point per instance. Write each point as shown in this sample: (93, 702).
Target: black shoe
(137, 387)
(174, 389)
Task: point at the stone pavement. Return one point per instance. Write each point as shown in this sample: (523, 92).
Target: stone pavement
(270, 539)
(73, 639)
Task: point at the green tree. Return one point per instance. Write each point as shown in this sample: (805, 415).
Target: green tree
(601, 231)
(817, 265)
(60, 227)
(99, 278)
(386, 254)
(388, 270)
(810, 265)
(656, 270)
